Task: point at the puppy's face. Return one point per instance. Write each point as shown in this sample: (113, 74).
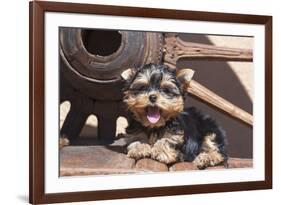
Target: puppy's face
(154, 95)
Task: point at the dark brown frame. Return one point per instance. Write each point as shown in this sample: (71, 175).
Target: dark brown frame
(37, 95)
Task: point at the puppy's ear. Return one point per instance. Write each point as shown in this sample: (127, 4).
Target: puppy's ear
(128, 74)
(185, 75)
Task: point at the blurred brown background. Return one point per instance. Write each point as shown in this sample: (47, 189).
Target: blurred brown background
(231, 80)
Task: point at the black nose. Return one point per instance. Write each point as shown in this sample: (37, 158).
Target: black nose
(153, 98)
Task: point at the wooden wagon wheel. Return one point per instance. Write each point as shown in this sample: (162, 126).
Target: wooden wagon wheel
(90, 77)
(90, 64)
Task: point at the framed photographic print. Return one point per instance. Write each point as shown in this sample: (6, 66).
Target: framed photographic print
(139, 102)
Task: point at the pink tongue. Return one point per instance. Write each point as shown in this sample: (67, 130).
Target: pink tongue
(153, 114)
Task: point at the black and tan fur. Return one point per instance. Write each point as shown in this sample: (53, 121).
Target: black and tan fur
(180, 134)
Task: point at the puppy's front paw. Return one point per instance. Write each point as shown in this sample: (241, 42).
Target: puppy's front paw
(164, 153)
(138, 150)
(203, 160)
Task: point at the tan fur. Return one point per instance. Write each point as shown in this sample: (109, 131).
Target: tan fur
(209, 145)
(169, 107)
(215, 158)
(174, 139)
(141, 81)
(185, 75)
(137, 105)
(128, 73)
(210, 155)
(138, 147)
(161, 148)
(166, 78)
(162, 151)
(138, 150)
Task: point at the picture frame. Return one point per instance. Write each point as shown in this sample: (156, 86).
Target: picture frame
(38, 100)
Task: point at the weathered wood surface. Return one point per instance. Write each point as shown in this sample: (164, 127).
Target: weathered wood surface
(86, 160)
(232, 163)
(151, 165)
(176, 49)
(204, 94)
(102, 160)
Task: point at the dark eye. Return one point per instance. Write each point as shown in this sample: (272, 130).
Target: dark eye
(170, 91)
(139, 87)
(166, 90)
(142, 88)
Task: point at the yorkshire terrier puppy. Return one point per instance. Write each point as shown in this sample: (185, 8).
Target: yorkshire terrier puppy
(160, 127)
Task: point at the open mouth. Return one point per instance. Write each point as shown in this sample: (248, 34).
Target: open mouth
(153, 114)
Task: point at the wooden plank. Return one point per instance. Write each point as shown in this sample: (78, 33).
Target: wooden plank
(150, 165)
(232, 163)
(104, 160)
(86, 160)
